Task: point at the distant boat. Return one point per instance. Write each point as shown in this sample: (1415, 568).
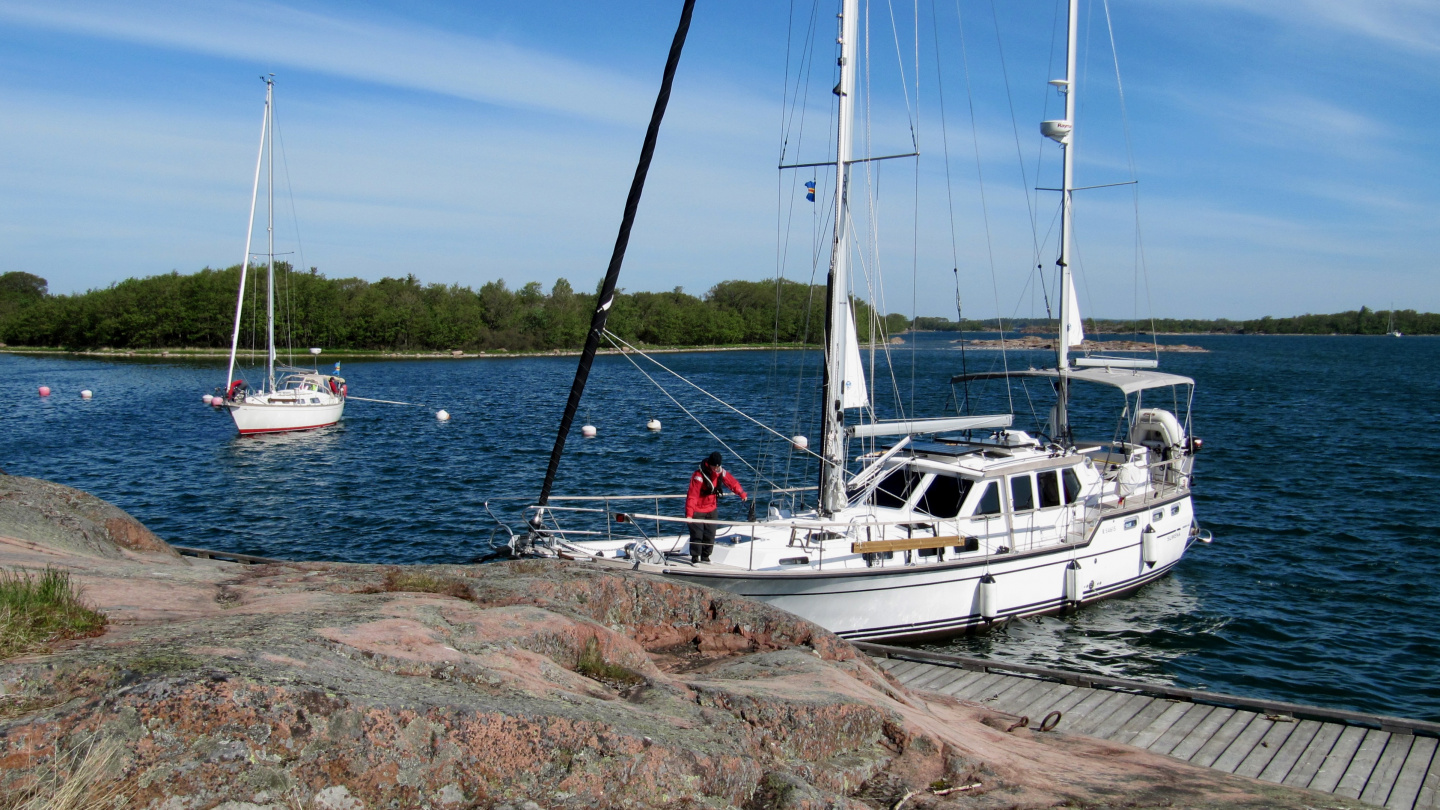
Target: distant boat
(1390, 327)
(935, 531)
(302, 399)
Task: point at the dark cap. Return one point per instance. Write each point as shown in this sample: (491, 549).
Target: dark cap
(715, 459)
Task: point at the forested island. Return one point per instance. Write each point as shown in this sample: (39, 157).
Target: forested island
(196, 310)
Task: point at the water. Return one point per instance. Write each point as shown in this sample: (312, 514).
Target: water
(1318, 478)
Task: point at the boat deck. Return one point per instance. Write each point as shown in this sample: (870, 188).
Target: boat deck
(1385, 761)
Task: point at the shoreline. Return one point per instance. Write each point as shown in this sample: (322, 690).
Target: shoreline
(184, 354)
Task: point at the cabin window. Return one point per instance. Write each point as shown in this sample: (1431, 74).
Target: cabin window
(1049, 489)
(1158, 516)
(1175, 510)
(1130, 524)
(944, 496)
(1072, 484)
(1022, 493)
(989, 503)
(895, 490)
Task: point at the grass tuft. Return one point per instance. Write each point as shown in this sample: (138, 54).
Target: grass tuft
(397, 579)
(83, 778)
(38, 609)
(592, 664)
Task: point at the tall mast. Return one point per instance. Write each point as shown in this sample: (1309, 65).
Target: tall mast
(837, 304)
(249, 232)
(1063, 132)
(270, 229)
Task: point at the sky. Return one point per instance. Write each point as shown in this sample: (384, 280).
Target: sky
(1282, 150)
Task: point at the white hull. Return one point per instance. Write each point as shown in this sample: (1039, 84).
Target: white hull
(259, 417)
(937, 600)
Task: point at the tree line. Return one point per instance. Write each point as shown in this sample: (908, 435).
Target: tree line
(1363, 321)
(197, 310)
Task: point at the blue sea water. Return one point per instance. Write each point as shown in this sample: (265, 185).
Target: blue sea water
(1320, 479)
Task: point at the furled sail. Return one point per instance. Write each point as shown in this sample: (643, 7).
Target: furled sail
(1074, 331)
(855, 395)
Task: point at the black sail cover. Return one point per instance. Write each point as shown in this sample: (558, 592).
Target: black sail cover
(612, 274)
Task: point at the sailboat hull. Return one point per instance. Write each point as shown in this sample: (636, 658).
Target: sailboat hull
(254, 417)
(939, 600)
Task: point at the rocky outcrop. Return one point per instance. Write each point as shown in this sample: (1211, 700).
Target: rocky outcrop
(529, 683)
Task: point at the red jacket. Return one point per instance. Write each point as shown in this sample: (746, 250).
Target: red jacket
(703, 498)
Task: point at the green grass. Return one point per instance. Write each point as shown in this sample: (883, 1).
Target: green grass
(420, 582)
(592, 664)
(39, 609)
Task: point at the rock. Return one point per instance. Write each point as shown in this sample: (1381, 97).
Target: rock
(529, 684)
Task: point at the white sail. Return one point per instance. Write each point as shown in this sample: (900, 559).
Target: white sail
(1074, 331)
(854, 394)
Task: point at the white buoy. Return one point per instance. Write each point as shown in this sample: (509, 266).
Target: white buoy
(799, 442)
(588, 431)
(44, 390)
(1150, 546)
(208, 399)
(86, 394)
(443, 415)
(653, 424)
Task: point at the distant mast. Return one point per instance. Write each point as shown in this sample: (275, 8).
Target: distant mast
(249, 229)
(1063, 132)
(837, 323)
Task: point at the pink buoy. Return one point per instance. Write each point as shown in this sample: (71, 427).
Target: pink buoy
(44, 390)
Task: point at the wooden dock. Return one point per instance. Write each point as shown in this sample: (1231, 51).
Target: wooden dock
(1385, 761)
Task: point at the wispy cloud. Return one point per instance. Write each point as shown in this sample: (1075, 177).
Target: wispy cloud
(390, 53)
(1411, 24)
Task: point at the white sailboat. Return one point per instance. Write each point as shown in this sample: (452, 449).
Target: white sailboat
(937, 532)
(300, 399)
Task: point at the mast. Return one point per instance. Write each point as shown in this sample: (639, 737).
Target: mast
(617, 258)
(249, 232)
(270, 229)
(837, 304)
(1063, 132)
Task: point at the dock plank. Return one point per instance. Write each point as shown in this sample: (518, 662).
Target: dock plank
(1115, 715)
(1357, 773)
(1123, 715)
(1001, 697)
(981, 688)
(1337, 760)
(1196, 737)
(1221, 740)
(1149, 735)
(931, 674)
(1411, 778)
(1142, 720)
(1314, 756)
(900, 670)
(1044, 693)
(1097, 711)
(1044, 704)
(936, 684)
(1245, 742)
(1264, 751)
(1382, 779)
(960, 683)
(1082, 710)
(1430, 790)
(1066, 706)
(1016, 701)
(1289, 753)
(1181, 728)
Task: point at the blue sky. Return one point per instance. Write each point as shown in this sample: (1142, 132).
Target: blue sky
(1283, 148)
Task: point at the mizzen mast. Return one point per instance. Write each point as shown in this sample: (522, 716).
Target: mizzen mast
(837, 306)
(1062, 132)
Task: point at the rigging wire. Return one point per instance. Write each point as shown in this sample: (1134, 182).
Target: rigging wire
(984, 206)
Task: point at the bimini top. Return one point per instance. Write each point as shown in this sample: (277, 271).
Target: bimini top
(1128, 380)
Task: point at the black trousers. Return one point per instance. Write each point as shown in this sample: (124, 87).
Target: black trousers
(702, 535)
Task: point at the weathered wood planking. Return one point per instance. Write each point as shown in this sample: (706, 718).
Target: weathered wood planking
(1386, 765)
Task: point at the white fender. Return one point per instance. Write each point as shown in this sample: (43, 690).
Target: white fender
(1150, 545)
(988, 597)
(1072, 583)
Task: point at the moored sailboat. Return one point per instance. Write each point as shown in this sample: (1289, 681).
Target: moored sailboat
(300, 399)
(947, 524)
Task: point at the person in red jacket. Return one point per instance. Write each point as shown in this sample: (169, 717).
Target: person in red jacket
(703, 502)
